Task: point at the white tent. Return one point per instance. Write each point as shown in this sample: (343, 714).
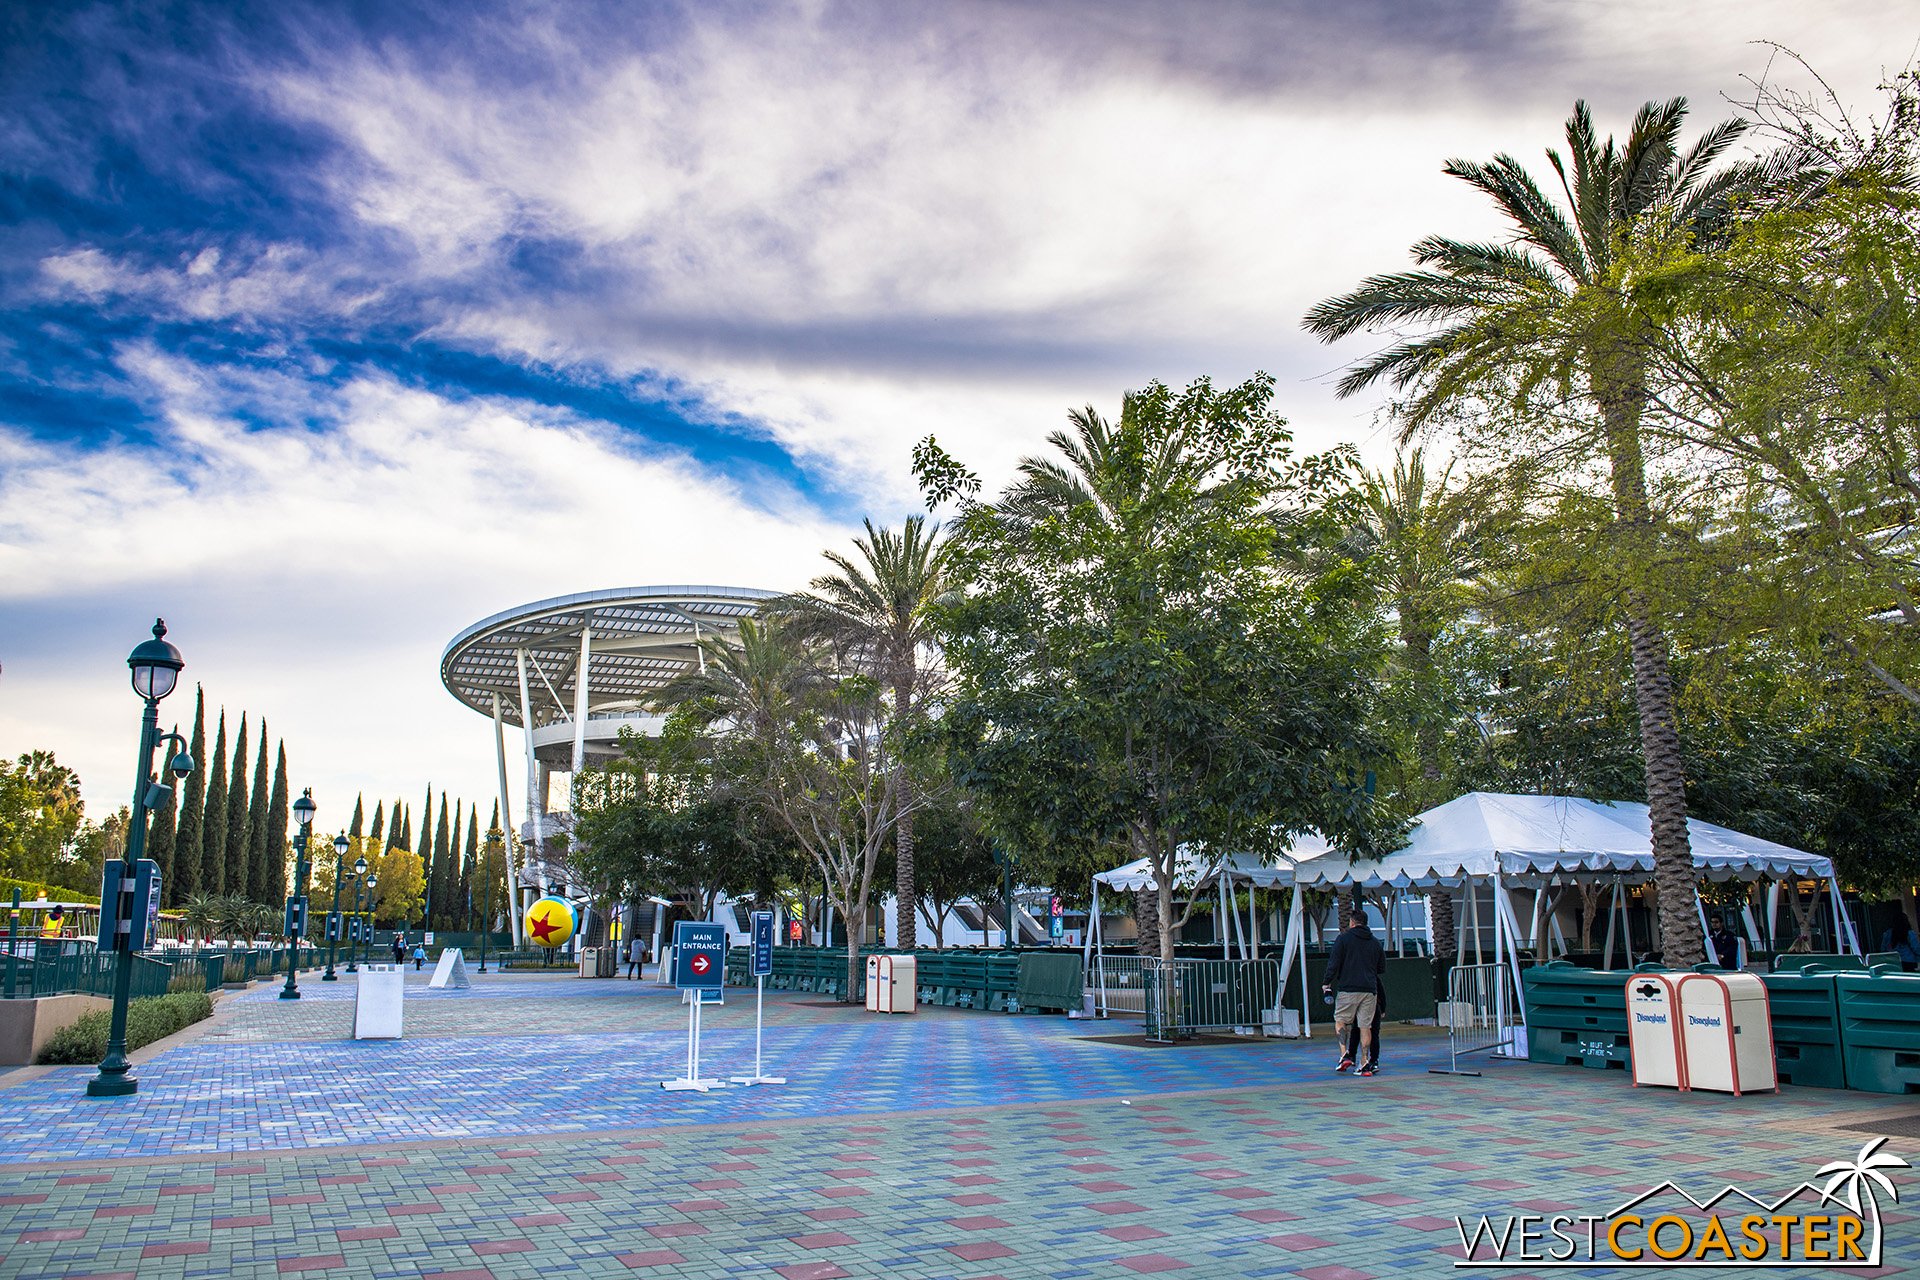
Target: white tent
(1504, 842)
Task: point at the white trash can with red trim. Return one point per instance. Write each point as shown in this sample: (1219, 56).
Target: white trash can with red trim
(1653, 1031)
(1726, 1030)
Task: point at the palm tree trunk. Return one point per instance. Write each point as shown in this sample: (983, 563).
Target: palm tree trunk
(906, 898)
(1622, 397)
(1146, 919)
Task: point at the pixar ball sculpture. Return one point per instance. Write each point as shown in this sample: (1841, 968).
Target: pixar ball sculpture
(549, 922)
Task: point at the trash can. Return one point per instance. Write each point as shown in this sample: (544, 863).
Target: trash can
(1726, 1033)
(891, 984)
(589, 962)
(379, 1002)
(1653, 1031)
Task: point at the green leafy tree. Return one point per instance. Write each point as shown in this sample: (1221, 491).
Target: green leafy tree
(239, 827)
(876, 610)
(187, 843)
(264, 845)
(42, 820)
(213, 879)
(814, 743)
(1137, 668)
(955, 857)
(1542, 334)
(275, 888)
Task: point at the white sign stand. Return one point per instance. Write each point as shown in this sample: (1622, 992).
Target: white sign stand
(379, 1002)
(759, 999)
(692, 1080)
(451, 971)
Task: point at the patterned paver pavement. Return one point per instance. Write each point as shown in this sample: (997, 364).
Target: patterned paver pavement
(519, 1131)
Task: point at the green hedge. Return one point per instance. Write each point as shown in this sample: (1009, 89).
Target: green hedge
(148, 1019)
(32, 889)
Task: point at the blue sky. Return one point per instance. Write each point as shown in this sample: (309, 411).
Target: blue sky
(331, 328)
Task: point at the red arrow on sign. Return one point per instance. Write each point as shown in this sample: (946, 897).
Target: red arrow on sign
(700, 964)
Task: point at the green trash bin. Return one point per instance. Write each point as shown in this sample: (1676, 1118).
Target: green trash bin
(1578, 1017)
(1880, 1029)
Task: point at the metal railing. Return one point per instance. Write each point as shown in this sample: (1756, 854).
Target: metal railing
(1481, 1013)
(51, 967)
(1186, 997)
(1118, 985)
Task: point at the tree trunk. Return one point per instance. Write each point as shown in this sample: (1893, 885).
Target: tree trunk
(906, 925)
(1622, 397)
(856, 925)
(1419, 646)
(1146, 919)
(1164, 901)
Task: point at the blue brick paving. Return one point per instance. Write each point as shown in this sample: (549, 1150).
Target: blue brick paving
(488, 1147)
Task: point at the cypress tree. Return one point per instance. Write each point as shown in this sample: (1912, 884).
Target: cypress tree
(406, 833)
(379, 819)
(359, 818)
(393, 825)
(276, 884)
(259, 835)
(239, 831)
(424, 847)
(193, 804)
(442, 862)
(162, 831)
(213, 848)
(493, 874)
(467, 866)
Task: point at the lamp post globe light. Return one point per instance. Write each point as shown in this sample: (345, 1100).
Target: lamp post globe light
(296, 923)
(155, 669)
(366, 933)
(340, 846)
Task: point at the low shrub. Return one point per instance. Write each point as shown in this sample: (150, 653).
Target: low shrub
(149, 1018)
(189, 980)
(235, 971)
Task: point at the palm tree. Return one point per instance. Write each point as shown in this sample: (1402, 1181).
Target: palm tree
(876, 609)
(1550, 309)
(201, 914)
(1423, 539)
(1862, 1174)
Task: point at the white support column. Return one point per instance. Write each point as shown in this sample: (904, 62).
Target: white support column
(580, 704)
(1613, 915)
(506, 827)
(1773, 915)
(536, 800)
(1700, 909)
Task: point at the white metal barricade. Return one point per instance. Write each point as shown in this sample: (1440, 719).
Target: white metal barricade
(1481, 1014)
(1119, 986)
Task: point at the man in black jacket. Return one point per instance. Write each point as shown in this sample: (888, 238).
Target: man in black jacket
(1355, 968)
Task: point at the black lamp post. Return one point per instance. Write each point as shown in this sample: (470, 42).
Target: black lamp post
(366, 930)
(155, 665)
(351, 926)
(334, 923)
(303, 810)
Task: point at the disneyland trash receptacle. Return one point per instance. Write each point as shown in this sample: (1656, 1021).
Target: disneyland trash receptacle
(1653, 1031)
(1727, 1033)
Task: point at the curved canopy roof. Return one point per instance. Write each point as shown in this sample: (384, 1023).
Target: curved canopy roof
(1523, 838)
(640, 639)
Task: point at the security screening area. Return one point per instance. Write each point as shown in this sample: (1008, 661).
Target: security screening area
(1310, 1094)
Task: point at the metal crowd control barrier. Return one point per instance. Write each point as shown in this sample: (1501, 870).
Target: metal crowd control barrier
(1120, 986)
(1482, 1014)
(1186, 997)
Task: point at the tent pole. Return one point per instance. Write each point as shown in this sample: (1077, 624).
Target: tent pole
(1613, 910)
(1843, 934)
(1773, 915)
(1700, 909)
(1253, 925)
(1626, 927)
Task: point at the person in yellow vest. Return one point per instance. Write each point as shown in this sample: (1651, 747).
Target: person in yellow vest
(54, 922)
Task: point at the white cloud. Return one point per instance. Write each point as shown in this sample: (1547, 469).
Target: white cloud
(313, 573)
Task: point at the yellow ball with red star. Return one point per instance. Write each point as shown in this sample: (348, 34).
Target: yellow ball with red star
(549, 923)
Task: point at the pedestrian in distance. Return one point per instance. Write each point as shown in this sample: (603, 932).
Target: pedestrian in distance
(1725, 947)
(399, 948)
(1355, 969)
(636, 956)
(419, 956)
(1370, 1060)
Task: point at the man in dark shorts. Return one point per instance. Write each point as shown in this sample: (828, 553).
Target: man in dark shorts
(1355, 968)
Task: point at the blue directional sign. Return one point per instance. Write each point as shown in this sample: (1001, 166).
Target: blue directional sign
(699, 955)
(762, 943)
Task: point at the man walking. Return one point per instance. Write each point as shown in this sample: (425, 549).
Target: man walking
(1355, 968)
